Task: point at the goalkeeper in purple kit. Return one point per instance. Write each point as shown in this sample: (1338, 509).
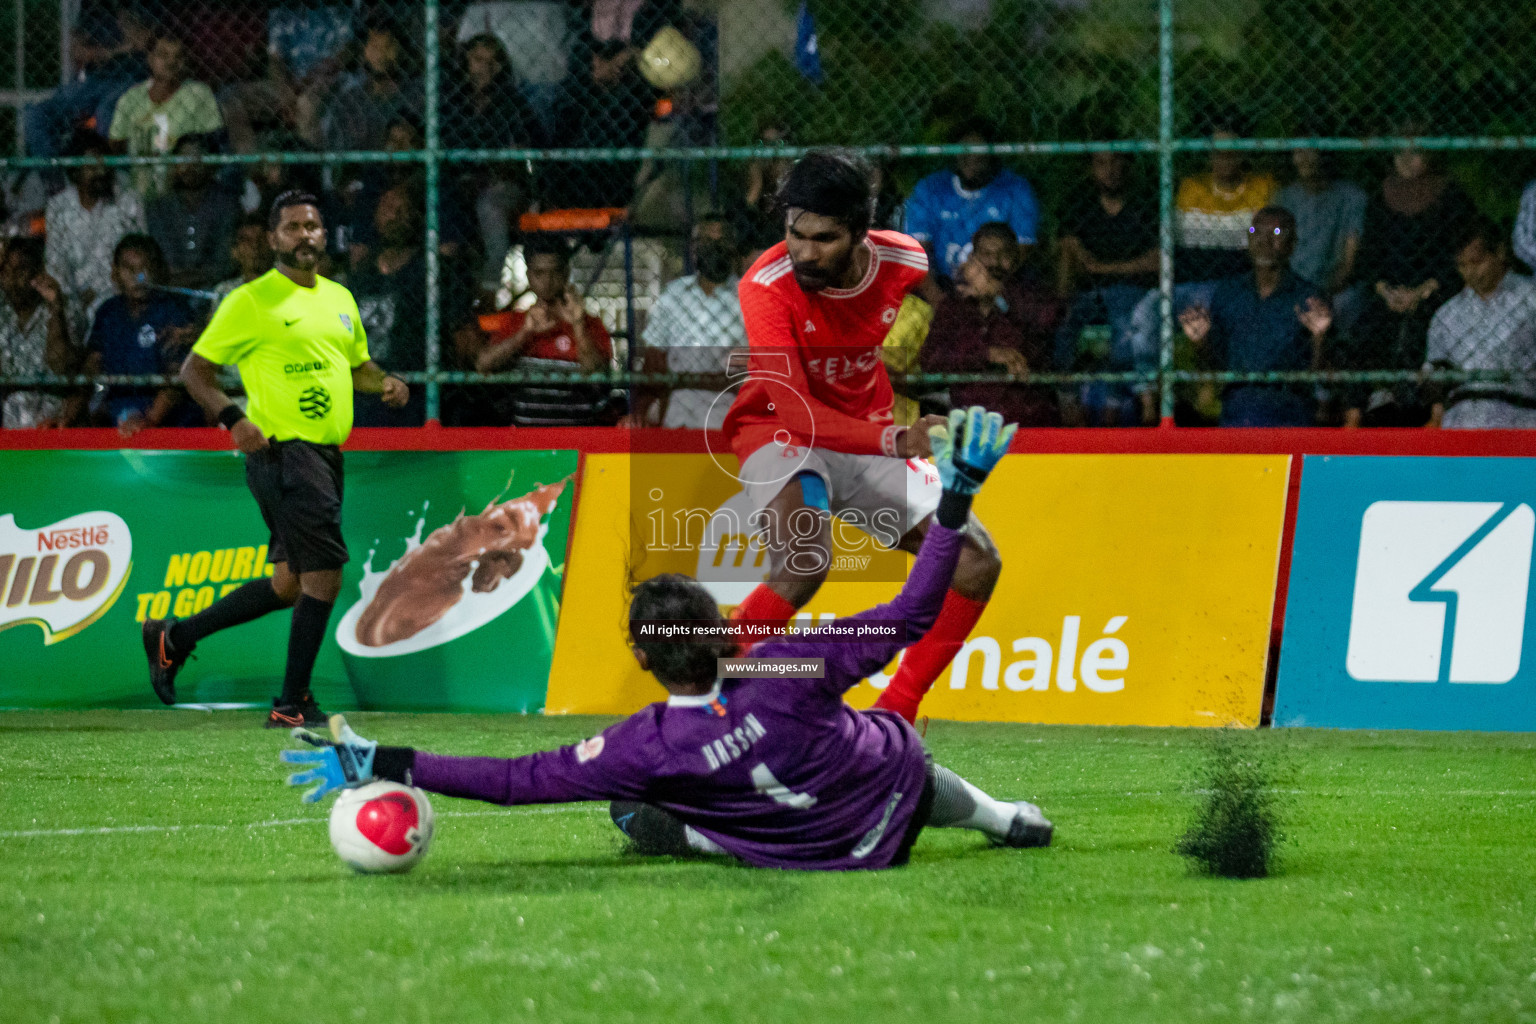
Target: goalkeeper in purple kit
(777, 772)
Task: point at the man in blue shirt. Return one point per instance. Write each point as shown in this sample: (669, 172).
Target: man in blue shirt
(140, 330)
(1267, 320)
(946, 208)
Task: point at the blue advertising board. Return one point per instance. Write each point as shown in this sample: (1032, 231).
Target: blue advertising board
(1408, 605)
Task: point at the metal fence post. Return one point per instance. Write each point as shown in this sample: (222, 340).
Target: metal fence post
(433, 324)
(1165, 207)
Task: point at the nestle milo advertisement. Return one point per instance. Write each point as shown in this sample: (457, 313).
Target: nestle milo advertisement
(450, 601)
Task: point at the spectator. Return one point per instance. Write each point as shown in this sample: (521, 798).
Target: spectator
(358, 117)
(1266, 320)
(85, 222)
(485, 111)
(998, 319)
(390, 286)
(1489, 325)
(34, 334)
(1212, 215)
(1215, 210)
(304, 48)
(1407, 259)
(1109, 251)
(194, 222)
(763, 228)
(251, 253)
(141, 331)
(153, 115)
(109, 49)
(1525, 227)
(356, 222)
(946, 208)
(267, 180)
(1330, 215)
(611, 108)
(694, 325)
(556, 333)
(536, 36)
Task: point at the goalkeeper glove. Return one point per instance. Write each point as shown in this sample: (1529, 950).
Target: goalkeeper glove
(343, 759)
(967, 447)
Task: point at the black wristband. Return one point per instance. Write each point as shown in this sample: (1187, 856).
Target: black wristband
(954, 510)
(394, 764)
(230, 415)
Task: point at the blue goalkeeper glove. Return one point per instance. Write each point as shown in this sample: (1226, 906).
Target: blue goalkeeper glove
(344, 759)
(967, 447)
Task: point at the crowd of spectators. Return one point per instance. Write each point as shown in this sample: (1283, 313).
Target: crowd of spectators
(114, 272)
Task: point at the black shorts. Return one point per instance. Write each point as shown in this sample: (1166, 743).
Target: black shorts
(298, 487)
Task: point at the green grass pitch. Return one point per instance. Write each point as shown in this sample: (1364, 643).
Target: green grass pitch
(153, 867)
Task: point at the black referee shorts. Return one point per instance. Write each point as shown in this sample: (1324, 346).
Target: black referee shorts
(298, 486)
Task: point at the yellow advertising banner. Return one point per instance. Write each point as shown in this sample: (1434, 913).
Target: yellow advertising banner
(1136, 589)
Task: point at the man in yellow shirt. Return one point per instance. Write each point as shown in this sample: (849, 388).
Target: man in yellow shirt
(298, 341)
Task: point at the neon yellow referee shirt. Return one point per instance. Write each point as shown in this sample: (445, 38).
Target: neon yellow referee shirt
(296, 349)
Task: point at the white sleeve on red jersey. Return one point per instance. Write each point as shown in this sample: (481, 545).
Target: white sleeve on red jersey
(771, 325)
(903, 255)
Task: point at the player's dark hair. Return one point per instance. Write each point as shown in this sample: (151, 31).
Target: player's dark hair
(1480, 229)
(292, 197)
(547, 245)
(832, 183)
(673, 597)
(996, 229)
(146, 247)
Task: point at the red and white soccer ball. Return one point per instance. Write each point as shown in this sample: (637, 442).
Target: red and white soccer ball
(381, 827)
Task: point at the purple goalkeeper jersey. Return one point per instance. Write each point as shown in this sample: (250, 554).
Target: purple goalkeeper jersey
(779, 772)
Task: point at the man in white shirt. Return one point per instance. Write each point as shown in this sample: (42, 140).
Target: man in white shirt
(692, 328)
(1489, 325)
(85, 222)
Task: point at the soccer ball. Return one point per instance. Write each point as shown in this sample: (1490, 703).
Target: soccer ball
(381, 827)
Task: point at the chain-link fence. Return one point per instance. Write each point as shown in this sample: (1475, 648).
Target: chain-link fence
(1269, 213)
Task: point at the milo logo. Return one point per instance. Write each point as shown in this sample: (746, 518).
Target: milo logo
(63, 577)
(315, 402)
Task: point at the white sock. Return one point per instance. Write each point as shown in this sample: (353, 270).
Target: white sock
(994, 817)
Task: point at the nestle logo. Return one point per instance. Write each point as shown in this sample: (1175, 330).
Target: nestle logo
(73, 537)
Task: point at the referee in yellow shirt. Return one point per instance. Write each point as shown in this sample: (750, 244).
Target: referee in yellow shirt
(299, 343)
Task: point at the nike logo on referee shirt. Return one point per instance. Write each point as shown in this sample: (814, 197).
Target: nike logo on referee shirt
(290, 323)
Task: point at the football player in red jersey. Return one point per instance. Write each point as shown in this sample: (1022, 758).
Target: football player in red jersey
(812, 427)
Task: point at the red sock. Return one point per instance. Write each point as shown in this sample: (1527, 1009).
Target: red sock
(924, 660)
(763, 606)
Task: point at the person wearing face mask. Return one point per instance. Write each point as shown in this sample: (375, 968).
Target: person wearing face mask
(692, 327)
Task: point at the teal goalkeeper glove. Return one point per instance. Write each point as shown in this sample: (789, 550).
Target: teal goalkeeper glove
(967, 448)
(344, 759)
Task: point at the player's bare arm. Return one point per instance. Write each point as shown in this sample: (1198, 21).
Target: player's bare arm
(371, 379)
(201, 376)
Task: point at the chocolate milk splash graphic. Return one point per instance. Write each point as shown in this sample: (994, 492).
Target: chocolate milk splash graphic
(428, 581)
